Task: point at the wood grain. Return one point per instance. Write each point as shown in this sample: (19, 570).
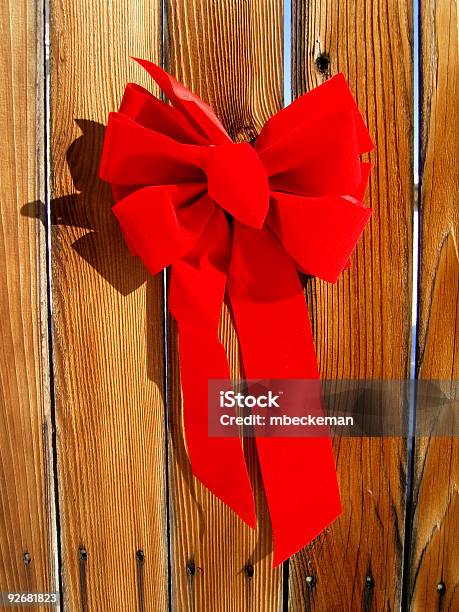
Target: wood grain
(229, 53)
(27, 528)
(362, 324)
(434, 578)
(108, 336)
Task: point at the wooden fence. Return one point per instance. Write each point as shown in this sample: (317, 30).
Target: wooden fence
(96, 491)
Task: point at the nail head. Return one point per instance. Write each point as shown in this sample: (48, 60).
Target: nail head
(310, 581)
(140, 555)
(249, 570)
(441, 588)
(370, 582)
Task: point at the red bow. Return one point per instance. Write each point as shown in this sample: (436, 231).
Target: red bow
(242, 219)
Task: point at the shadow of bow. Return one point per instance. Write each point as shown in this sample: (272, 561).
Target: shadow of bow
(100, 243)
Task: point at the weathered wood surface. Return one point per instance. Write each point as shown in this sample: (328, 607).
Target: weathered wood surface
(362, 324)
(112, 443)
(27, 520)
(434, 571)
(108, 336)
(229, 53)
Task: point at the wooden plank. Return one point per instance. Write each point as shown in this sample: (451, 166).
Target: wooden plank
(27, 529)
(107, 325)
(362, 324)
(229, 53)
(434, 582)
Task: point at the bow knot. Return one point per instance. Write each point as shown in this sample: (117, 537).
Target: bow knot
(237, 181)
(296, 202)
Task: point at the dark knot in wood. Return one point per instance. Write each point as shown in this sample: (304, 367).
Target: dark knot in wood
(323, 63)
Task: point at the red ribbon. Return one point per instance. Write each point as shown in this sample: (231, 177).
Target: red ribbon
(242, 219)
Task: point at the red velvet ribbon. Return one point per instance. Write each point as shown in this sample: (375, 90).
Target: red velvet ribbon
(243, 220)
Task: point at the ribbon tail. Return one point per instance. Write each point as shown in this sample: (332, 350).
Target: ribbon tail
(275, 336)
(196, 294)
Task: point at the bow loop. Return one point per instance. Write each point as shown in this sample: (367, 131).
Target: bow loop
(318, 158)
(198, 113)
(237, 181)
(331, 97)
(159, 223)
(318, 233)
(136, 155)
(151, 112)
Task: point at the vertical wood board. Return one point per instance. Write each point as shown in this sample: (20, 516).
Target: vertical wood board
(229, 53)
(362, 324)
(27, 527)
(108, 336)
(434, 581)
